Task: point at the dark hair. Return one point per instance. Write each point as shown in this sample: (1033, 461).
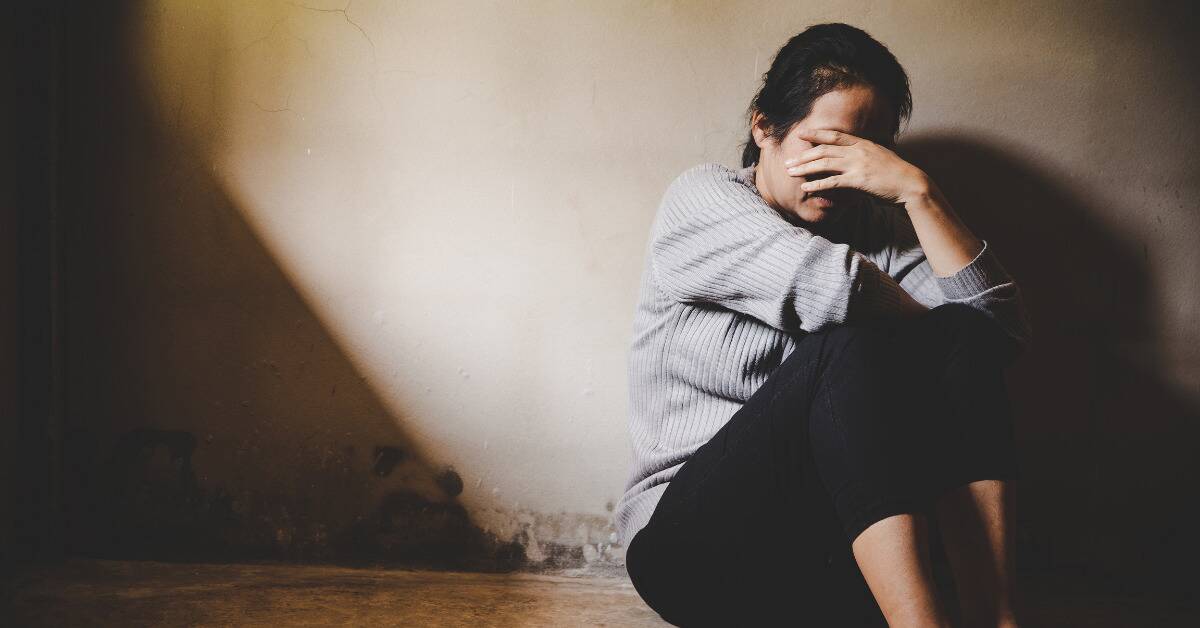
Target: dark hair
(822, 58)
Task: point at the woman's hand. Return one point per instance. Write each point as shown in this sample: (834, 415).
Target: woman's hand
(857, 163)
(864, 165)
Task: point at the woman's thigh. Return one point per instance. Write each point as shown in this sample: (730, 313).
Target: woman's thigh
(857, 423)
(966, 413)
(935, 416)
(747, 526)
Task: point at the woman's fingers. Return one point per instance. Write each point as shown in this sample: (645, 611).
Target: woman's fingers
(828, 183)
(824, 164)
(816, 152)
(826, 136)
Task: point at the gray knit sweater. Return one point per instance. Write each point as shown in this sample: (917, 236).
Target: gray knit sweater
(728, 285)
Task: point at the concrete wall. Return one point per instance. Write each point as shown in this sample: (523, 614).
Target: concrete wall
(9, 305)
(359, 281)
(30, 331)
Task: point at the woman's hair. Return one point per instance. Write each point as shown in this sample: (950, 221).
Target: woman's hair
(822, 58)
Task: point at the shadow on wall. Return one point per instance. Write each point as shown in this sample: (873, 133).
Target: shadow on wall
(210, 414)
(1107, 447)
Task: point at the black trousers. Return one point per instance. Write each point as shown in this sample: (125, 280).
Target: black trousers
(859, 423)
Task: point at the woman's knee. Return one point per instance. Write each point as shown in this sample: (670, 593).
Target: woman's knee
(969, 334)
(870, 359)
(859, 346)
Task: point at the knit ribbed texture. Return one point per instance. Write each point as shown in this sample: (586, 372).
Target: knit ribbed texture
(729, 283)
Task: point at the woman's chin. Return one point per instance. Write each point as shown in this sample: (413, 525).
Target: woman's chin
(816, 209)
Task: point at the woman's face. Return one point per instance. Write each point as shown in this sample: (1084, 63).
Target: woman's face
(856, 110)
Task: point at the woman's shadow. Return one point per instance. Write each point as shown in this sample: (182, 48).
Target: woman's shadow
(1107, 445)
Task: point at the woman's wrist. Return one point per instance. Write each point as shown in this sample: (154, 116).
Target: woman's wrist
(948, 244)
(923, 194)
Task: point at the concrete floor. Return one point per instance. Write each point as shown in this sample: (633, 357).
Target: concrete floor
(129, 593)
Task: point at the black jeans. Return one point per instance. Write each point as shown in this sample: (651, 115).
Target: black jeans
(857, 424)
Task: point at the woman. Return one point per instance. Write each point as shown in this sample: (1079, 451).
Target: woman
(817, 372)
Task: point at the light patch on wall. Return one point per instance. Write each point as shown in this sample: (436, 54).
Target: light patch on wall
(401, 185)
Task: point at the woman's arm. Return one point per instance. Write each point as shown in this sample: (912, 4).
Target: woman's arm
(870, 167)
(937, 252)
(982, 283)
(716, 241)
(948, 244)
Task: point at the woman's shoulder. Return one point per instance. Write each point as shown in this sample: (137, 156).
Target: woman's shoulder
(711, 185)
(712, 173)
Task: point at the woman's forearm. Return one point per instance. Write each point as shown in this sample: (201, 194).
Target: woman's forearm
(948, 244)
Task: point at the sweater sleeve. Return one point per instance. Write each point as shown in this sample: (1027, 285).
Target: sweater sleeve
(717, 242)
(982, 284)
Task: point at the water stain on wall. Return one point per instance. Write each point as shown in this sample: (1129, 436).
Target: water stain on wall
(143, 499)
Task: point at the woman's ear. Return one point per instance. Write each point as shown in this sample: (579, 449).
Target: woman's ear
(757, 122)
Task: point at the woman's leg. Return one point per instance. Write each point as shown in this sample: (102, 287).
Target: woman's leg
(976, 523)
(893, 554)
(745, 533)
(975, 505)
(872, 459)
(756, 526)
